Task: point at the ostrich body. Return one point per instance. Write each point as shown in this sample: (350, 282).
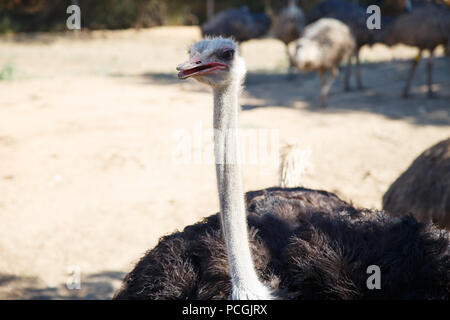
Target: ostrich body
(240, 24)
(289, 26)
(424, 188)
(324, 44)
(282, 243)
(425, 27)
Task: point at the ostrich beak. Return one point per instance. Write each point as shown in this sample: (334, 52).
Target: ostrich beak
(195, 67)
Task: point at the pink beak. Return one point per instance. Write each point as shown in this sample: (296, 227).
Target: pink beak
(195, 67)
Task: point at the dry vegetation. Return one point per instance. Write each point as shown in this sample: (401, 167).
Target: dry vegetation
(87, 170)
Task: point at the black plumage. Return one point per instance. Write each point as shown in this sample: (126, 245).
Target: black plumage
(306, 244)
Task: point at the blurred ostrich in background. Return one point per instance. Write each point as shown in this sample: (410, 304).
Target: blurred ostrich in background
(355, 17)
(289, 27)
(240, 24)
(282, 243)
(323, 46)
(425, 27)
(424, 188)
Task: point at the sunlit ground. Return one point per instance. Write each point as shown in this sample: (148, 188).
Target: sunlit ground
(91, 172)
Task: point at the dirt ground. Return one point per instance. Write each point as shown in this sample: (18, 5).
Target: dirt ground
(103, 150)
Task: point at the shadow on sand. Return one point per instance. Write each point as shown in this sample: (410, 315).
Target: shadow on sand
(381, 95)
(97, 286)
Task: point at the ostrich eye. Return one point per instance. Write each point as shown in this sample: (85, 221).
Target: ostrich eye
(228, 54)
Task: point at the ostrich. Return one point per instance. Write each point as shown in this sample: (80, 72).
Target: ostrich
(289, 26)
(355, 17)
(324, 44)
(282, 243)
(424, 188)
(426, 27)
(394, 7)
(241, 24)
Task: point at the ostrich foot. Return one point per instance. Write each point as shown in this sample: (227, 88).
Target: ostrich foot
(322, 105)
(432, 95)
(291, 76)
(405, 95)
(323, 102)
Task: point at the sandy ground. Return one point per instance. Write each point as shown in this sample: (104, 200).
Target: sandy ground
(103, 150)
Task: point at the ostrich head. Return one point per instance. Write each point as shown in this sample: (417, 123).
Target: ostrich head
(214, 61)
(304, 54)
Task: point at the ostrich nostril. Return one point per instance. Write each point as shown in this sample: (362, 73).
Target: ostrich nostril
(198, 62)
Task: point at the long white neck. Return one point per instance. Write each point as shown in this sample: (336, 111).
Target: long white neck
(245, 282)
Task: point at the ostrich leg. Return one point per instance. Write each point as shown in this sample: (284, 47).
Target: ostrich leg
(430, 75)
(291, 67)
(411, 74)
(358, 71)
(348, 72)
(326, 85)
